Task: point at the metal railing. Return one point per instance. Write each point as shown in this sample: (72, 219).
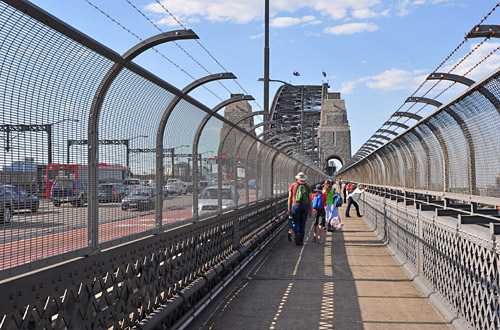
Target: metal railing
(98, 151)
(154, 280)
(448, 247)
(455, 149)
(122, 202)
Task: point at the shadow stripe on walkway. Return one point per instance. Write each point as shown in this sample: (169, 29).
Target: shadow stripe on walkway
(331, 285)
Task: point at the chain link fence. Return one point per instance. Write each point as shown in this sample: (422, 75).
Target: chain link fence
(99, 152)
(455, 149)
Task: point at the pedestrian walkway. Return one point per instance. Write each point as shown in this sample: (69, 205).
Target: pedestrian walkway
(349, 281)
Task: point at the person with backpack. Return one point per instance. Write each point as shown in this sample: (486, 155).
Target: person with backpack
(299, 206)
(318, 205)
(352, 199)
(333, 202)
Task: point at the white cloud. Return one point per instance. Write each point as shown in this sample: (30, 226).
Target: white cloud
(244, 11)
(290, 21)
(364, 13)
(257, 36)
(351, 28)
(396, 79)
(492, 63)
(389, 80)
(402, 7)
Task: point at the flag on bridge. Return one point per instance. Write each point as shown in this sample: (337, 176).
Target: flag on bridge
(295, 73)
(324, 73)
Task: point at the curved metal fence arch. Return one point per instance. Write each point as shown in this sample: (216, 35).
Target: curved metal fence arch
(57, 80)
(453, 150)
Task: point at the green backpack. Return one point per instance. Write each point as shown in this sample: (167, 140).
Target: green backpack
(301, 197)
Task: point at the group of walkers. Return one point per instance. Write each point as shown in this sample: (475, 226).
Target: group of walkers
(323, 203)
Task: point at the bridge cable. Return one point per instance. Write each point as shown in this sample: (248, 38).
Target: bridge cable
(205, 49)
(158, 52)
(453, 68)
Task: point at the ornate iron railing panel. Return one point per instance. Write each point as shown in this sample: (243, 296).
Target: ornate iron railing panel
(458, 262)
(120, 287)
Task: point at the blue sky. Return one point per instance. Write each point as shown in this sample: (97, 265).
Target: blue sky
(375, 52)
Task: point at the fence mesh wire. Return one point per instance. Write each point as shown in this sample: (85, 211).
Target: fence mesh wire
(48, 83)
(453, 150)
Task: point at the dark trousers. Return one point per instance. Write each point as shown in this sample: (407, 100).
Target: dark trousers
(299, 212)
(356, 206)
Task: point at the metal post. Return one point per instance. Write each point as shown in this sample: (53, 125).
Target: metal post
(172, 156)
(68, 146)
(159, 143)
(302, 122)
(95, 110)
(127, 145)
(48, 128)
(266, 63)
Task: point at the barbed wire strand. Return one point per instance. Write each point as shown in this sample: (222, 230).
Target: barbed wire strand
(206, 50)
(451, 70)
(156, 50)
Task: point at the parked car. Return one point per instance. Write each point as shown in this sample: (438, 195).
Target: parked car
(132, 184)
(111, 192)
(140, 199)
(12, 199)
(176, 186)
(69, 191)
(208, 201)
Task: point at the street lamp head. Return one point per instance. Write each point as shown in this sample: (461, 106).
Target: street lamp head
(275, 80)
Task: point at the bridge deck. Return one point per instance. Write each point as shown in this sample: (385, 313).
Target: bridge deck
(349, 281)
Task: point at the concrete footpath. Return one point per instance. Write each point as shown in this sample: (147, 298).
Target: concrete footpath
(349, 281)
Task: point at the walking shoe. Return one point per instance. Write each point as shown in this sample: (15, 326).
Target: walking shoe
(319, 240)
(315, 239)
(289, 236)
(347, 216)
(298, 240)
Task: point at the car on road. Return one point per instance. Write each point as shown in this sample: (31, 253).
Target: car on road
(252, 184)
(13, 198)
(69, 191)
(176, 186)
(140, 199)
(111, 192)
(208, 201)
(132, 184)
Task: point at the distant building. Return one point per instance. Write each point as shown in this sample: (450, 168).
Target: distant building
(26, 165)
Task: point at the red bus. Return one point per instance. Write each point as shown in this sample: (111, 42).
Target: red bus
(47, 174)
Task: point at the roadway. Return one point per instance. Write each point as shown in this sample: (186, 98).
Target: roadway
(56, 230)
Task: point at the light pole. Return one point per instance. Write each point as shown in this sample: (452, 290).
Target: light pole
(201, 159)
(266, 62)
(34, 128)
(49, 135)
(127, 145)
(172, 150)
(275, 80)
